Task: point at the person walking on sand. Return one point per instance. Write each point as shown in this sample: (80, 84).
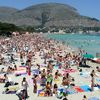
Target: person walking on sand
(93, 74)
(92, 82)
(24, 86)
(35, 84)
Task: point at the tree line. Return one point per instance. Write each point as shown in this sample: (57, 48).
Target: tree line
(7, 28)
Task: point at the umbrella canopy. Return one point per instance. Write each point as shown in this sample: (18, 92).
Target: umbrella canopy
(89, 56)
(93, 98)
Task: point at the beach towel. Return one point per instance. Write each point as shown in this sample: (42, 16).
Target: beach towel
(70, 90)
(69, 70)
(78, 89)
(41, 93)
(43, 65)
(94, 98)
(21, 74)
(86, 88)
(35, 71)
(85, 74)
(9, 92)
(23, 66)
(64, 72)
(20, 71)
(95, 87)
(56, 67)
(61, 89)
(13, 88)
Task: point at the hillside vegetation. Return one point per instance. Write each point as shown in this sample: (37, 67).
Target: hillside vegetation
(48, 15)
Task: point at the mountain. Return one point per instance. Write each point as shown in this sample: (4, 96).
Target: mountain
(47, 14)
(6, 13)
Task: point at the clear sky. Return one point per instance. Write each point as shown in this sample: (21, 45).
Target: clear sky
(85, 7)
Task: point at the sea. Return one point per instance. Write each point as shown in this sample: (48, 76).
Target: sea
(87, 42)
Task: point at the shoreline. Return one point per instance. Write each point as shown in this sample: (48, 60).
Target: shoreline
(68, 47)
(89, 42)
(59, 48)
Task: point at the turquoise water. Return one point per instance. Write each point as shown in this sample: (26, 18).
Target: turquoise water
(89, 43)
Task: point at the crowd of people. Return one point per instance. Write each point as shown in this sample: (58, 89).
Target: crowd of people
(51, 52)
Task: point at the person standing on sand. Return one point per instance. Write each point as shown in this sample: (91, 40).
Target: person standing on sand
(24, 86)
(92, 82)
(21, 56)
(35, 84)
(28, 63)
(92, 79)
(93, 75)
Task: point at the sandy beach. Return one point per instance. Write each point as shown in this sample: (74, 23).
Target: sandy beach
(47, 47)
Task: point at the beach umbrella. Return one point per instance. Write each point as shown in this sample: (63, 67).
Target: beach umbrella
(89, 56)
(93, 98)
